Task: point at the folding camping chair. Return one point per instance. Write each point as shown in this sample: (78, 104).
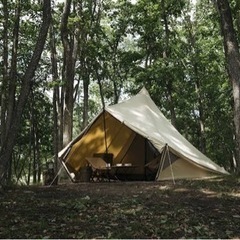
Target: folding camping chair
(151, 168)
(100, 168)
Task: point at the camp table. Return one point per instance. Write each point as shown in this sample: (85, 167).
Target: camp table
(121, 166)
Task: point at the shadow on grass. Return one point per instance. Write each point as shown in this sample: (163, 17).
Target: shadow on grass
(188, 209)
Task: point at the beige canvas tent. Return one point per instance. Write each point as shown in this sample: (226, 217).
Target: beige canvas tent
(135, 132)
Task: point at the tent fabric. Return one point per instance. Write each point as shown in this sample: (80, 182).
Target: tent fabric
(134, 131)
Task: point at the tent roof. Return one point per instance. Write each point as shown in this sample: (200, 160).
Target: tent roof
(142, 115)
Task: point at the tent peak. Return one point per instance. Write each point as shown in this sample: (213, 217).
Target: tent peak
(144, 91)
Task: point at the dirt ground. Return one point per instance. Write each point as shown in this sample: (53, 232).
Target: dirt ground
(187, 209)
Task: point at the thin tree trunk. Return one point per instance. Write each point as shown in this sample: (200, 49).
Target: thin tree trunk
(13, 71)
(67, 76)
(32, 141)
(4, 85)
(55, 97)
(232, 55)
(169, 84)
(85, 98)
(202, 139)
(100, 88)
(29, 166)
(38, 156)
(70, 45)
(12, 78)
(197, 83)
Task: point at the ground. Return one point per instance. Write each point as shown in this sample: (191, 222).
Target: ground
(186, 209)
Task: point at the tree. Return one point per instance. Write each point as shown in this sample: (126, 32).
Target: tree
(70, 39)
(232, 55)
(57, 140)
(10, 136)
(162, 69)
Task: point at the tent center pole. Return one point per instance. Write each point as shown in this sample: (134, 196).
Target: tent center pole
(104, 129)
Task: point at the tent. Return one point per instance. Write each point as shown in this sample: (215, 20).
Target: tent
(136, 132)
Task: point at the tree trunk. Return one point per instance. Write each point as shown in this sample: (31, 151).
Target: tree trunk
(201, 131)
(9, 141)
(70, 45)
(32, 139)
(233, 66)
(4, 85)
(169, 81)
(55, 98)
(13, 71)
(38, 156)
(197, 83)
(10, 99)
(85, 99)
(100, 88)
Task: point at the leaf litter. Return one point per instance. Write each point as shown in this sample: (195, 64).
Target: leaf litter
(188, 209)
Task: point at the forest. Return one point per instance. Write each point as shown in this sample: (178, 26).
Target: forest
(64, 61)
